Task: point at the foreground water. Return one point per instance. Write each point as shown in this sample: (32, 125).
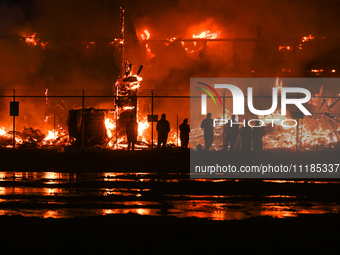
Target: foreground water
(65, 195)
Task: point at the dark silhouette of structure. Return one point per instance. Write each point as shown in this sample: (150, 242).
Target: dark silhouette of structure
(230, 134)
(245, 133)
(163, 129)
(258, 133)
(131, 132)
(87, 125)
(208, 126)
(184, 135)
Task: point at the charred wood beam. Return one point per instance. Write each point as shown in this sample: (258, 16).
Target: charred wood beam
(331, 117)
(334, 103)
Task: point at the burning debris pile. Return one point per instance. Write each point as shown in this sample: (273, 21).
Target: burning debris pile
(34, 138)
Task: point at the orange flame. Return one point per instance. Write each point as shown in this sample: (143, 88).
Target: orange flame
(306, 38)
(207, 35)
(31, 40)
(145, 35)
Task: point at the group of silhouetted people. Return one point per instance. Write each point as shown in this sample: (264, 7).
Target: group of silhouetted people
(231, 132)
(163, 129)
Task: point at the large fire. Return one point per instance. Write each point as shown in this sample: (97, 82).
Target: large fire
(31, 137)
(325, 134)
(189, 47)
(121, 142)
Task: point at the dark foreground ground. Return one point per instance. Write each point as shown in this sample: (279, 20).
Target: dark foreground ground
(92, 160)
(133, 234)
(172, 160)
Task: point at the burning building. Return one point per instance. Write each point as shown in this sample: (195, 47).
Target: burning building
(171, 54)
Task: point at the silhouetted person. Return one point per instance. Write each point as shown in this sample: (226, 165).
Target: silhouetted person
(230, 134)
(208, 126)
(184, 134)
(163, 129)
(258, 133)
(131, 132)
(245, 133)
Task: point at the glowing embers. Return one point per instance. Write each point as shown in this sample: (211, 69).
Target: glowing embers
(285, 47)
(31, 40)
(57, 137)
(312, 136)
(307, 38)
(31, 137)
(317, 71)
(145, 35)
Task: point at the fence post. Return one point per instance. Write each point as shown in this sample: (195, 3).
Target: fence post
(177, 130)
(82, 121)
(13, 121)
(54, 126)
(152, 121)
(223, 117)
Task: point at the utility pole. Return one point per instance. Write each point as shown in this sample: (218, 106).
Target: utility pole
(122, 40)
(14, 121)
(152, 121)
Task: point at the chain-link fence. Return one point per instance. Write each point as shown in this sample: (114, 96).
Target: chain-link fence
(49, 114)
(44, 120)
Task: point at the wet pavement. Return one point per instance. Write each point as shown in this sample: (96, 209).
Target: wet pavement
(67, 195)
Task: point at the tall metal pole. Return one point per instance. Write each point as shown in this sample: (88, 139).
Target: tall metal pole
(223, 110)
(177, 130)
(54, 126)
(122, 40)
(116, 117)
(83, 121)
(297, 128)
(297, 135)
(152, 121)
(13, 121)
(301, 145)
(223, 116)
